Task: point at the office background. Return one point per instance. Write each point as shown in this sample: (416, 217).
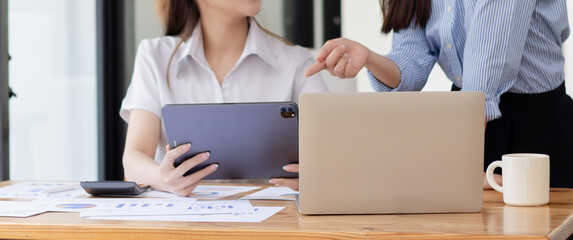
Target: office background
(62, 51)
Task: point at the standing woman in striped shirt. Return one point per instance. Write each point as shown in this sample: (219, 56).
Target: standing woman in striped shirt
(508, 49)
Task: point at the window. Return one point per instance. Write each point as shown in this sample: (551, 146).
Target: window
(53, 128)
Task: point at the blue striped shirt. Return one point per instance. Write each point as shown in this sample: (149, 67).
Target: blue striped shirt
(492, 46)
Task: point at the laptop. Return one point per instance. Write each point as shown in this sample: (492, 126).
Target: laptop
(247, 140)
(394, 152)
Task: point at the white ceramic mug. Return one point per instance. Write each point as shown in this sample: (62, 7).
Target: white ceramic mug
(525, 178)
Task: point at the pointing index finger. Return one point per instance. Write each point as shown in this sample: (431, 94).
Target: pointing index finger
(314, 68)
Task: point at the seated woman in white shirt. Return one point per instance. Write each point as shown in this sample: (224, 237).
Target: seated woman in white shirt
(213, 52)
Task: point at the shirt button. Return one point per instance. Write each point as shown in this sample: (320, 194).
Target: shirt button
(458, 78)
(449, 46)
(449, 8)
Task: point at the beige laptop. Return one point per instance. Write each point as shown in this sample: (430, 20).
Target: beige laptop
(398, 152)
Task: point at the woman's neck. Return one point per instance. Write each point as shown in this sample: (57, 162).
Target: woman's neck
(224, 36)
(224, 39)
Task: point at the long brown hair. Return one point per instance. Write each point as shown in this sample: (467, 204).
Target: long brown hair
(180, 17)
(398, 14)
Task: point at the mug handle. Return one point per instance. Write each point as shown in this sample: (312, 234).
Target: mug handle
(489, 176)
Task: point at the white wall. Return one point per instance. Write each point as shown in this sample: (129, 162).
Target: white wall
(271, 16)
(147, 23)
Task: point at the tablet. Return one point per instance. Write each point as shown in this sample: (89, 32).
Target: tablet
(247, 140)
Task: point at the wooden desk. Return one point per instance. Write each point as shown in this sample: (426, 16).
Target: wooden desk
(495, 221)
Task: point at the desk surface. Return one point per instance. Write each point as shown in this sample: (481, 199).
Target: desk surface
(495, 221)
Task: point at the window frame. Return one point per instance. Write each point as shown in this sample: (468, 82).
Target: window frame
(4, 94)
(115, 56)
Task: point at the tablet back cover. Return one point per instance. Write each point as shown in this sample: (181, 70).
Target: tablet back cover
(247, 140)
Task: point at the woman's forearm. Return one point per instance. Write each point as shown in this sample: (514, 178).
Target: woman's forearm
(384, 69)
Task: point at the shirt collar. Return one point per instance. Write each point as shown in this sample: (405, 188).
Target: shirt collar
(256, 45)
(194, 47)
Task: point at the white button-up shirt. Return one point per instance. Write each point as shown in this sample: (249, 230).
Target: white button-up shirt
(267, 71)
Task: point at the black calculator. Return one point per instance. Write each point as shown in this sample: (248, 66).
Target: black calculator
(101, 188)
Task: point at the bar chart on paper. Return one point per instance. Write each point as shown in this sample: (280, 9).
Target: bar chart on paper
(118, 206)
(221, 207)
(140, 207)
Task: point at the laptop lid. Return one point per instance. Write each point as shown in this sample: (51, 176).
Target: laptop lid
(397, 152)
(247, 140)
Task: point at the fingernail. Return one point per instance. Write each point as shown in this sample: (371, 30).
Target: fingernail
(285, 168)
(186, 147)
(342, 47)
(345, 54)
(205, 156)
(272, 181)
(214, 166)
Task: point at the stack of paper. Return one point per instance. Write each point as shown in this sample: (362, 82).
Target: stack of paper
(259, 215)
(180, 209)
(151, 205)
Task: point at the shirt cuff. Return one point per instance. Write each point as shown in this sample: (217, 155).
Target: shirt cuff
(492, 110)
(377, 85)
(405, 77)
